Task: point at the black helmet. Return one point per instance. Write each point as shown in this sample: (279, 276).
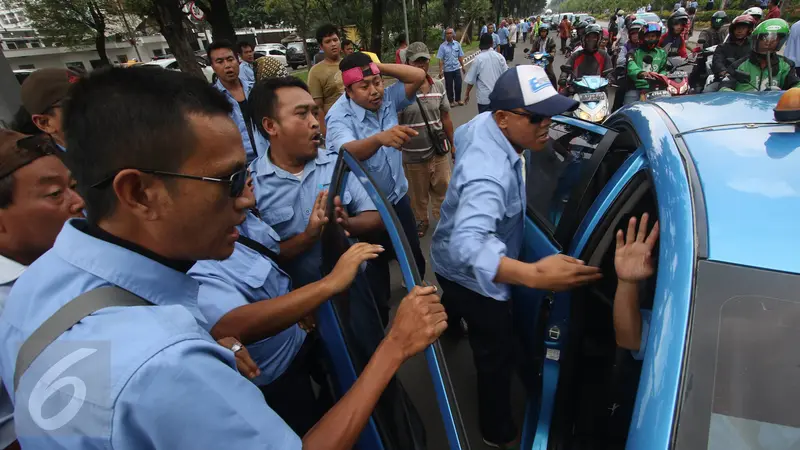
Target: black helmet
(718, 19)
(592, 29)
(581, 25)
(678, 16)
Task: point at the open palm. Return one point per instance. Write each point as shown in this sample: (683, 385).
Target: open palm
(633, 259)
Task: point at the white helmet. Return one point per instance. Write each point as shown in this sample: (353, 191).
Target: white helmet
(549, 11)
(755, 12)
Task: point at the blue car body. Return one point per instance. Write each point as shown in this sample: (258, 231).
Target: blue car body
(723, 176)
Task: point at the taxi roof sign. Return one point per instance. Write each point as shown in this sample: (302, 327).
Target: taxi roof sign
(788, 107)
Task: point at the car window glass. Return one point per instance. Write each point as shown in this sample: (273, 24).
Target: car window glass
(173, 66)
(554, 171)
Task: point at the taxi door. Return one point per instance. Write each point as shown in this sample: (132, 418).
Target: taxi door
(562, 182)
(351, 329)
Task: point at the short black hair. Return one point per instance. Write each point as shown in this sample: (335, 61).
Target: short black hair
(22, 122)
(357, 59)
(7, 190)
(264, 98)
(348, 42)
(401, 39)
(216, 45)
(241, 45)
(486, 41)
(132, 118)
(326, 30)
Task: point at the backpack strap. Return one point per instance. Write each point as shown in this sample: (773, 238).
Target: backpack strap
(257, 246)
(68, 315)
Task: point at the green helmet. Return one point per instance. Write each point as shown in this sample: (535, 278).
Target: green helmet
(769, 30)
(718, 19)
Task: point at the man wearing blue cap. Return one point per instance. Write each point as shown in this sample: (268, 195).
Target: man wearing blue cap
(478, 239)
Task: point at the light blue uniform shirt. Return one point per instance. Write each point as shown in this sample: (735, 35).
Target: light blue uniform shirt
(347, 121)
(502, 33)
(449, 52)
(484, 72)
(246, 72)
(10, 270)
(482, 214)
(153, 377)
(495, 40)
(248, 277)
(285, 203)
(525, 26)
(484, 30)
(262, 144)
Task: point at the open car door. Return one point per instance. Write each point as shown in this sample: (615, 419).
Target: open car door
(351, 329)
(562, 182)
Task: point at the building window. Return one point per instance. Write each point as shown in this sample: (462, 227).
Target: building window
(26, 67)
(36, 44)
(158, 52)
(122, 59)
(76, 65)
(96, 63)
(11, 45)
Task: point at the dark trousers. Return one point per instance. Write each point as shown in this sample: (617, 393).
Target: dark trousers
(492, 341)
(483, 108)
(378, 269)
(291, 395)
(563, 44)
(452, 84)
(510, 52)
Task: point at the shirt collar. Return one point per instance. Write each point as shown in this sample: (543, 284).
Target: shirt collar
(127, 269)
(262, 165)
(10, 270)
(245, 86)
(358, 111)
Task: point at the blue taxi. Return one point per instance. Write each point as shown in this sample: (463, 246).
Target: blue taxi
(721, 175)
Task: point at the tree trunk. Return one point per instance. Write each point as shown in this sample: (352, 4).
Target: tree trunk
(100, 45)
(170, 23)
(449, 7)
(377, 27)
(420, 31)
(219, 18)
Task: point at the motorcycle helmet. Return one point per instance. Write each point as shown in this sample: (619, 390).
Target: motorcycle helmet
(581, 28)
(629, 20)
(595, 30)
(649, 28)
(767, 32)
(756, 12)
(549, 11)
(746, 20)
(718, 19)
(677, 17)
(635, 26)
(544, 27)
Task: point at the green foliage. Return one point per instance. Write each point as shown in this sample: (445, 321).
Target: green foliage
(251, 13)
(70, 22)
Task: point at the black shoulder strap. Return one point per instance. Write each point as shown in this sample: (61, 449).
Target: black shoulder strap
(66, 317)
(257, 246)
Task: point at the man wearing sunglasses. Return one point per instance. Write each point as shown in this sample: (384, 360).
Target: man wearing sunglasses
(478, 239)
(143, 373)
(43, 94)
(36, 198)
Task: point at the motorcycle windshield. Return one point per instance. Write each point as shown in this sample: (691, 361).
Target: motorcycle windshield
(592, 82)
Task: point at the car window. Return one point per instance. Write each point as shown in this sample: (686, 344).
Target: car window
(276, 52)
(173, 66)
(554, 171)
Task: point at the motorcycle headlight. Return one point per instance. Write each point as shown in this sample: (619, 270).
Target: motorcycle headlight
(684, 88)
(672, 90)
(584, 115)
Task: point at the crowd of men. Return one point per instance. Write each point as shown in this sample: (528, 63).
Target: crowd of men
(161, 243)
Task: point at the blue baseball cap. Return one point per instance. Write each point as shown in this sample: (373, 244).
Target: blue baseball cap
(528, 87)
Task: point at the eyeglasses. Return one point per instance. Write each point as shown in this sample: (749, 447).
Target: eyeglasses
(534, 119)
(237, 180)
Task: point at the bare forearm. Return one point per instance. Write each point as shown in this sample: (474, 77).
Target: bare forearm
(341, 426)
(627, 316)
(260, 320)
(365, 222)
(404, 73)
(447, 124)
(469, 89)
(363, 149)
(296, 245)
(511, 271)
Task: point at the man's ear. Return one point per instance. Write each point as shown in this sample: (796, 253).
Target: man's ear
(270, 125)
(42, 122)
(139, 193)
(501, 118)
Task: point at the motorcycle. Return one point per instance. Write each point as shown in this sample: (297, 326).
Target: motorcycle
(657, 85)
(541, 59)
(590, 91)
(678, 79)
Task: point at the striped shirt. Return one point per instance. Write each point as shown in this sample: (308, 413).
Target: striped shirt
(419, 148)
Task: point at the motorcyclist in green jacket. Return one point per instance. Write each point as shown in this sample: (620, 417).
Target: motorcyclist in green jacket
(767, 69)
(647, 59)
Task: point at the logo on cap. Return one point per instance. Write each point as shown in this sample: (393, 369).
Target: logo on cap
(537, 84)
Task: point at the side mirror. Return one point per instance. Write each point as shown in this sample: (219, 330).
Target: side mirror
(741, 76)
(526, 50)
(701, 42)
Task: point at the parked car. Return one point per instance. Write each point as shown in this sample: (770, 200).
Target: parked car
(294, 52)
(22, 74)
(720, 366)
(275, 52)
(172, 64)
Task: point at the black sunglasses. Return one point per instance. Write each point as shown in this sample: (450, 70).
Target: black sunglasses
(534, 119)
(237, 180)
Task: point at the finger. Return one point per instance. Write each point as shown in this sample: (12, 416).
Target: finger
(439, 328)
(420, 291)
(337, 201)
(620, 239)
(570, 259)
(251, 369)
(435, 308)
(586, 269)
(408, 130)
(440, 316)
(653, 237)
(631, 231)
(642, 233)
(589, 278)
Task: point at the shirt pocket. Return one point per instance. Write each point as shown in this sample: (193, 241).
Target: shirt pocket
(278, 216)
(511, 217)
(264, 276)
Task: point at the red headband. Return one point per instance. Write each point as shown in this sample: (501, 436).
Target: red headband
(355, 74)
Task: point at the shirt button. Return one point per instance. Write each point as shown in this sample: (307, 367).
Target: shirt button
(308, 211)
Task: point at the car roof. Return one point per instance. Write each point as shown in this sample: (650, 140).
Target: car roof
(160, 62)
(748, 173)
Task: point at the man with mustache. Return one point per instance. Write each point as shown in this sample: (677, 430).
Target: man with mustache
(142, 373)
(364, 121)
(479, 237)
(292, 178)
(236, 89)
